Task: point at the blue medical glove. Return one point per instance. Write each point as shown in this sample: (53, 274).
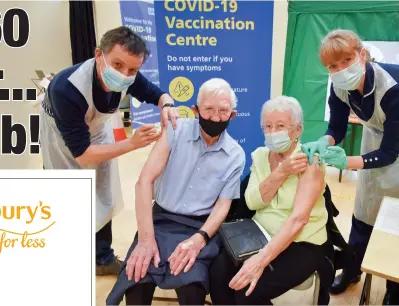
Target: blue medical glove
(320, 146)
(336, 156)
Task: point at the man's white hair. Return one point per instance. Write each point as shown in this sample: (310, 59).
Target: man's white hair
(282, 104)
(216, 87)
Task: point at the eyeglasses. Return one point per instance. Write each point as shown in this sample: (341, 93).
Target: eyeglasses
(210, 111)
(267, 128)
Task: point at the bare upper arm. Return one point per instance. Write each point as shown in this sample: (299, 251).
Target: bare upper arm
(311, 185)
(157, 160)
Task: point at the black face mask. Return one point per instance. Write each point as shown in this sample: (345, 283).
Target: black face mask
(212, 128)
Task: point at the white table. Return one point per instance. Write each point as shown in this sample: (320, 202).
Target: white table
(382, 254)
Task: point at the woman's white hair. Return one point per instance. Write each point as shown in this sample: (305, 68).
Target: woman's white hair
(282, 104)
(216, 87)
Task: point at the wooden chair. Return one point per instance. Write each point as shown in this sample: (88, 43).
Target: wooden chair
(314, 279)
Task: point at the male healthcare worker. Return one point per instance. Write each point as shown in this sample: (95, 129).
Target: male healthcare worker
(372, 92)
(76, 133)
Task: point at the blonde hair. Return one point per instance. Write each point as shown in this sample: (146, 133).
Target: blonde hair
(339, 43)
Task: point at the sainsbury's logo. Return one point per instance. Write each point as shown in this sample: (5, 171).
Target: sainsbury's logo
(24, 226)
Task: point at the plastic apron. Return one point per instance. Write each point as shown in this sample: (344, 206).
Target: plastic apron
(56, 155)
(374, 184)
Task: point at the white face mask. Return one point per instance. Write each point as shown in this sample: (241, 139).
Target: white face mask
(348, 78)
(278, 142)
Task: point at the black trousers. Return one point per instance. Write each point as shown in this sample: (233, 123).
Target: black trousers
(290, 269)
(359, 239)
(104, 253)
(142, 294)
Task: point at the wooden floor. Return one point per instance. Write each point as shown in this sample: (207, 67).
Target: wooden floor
(124, 228)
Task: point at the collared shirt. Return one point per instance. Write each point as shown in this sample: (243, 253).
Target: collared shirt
(363, 107)
(273, 214)
(69, 107)
(196, 175)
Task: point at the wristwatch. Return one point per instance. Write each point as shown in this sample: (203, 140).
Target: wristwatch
(168, 105)
(205, 235)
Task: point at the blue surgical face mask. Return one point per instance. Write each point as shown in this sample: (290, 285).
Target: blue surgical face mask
(114, 80)
(278, 142)
(348, 78)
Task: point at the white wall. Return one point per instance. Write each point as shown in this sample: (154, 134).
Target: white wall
(48, 49)
(280, 22)
(108, 17)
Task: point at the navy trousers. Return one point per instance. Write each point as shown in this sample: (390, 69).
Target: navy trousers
(104, 253)
(170, 229)
(359, 239)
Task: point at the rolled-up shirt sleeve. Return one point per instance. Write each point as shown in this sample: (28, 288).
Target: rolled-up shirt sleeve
(339, 116)
(144, 90)
(231, 189)
(172, 134)
(389, 149)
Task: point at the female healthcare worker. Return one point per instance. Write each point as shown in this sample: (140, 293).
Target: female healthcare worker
(372, 92)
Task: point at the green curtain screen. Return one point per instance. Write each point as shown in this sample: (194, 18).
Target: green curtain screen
(308, 22)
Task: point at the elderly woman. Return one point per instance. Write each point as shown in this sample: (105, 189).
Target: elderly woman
(287, 195)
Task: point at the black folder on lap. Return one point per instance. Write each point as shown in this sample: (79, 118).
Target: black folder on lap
(243, 238)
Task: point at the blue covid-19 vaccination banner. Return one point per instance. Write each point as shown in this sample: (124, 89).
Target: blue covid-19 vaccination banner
(139, 16)
(199, 40)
